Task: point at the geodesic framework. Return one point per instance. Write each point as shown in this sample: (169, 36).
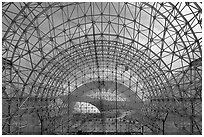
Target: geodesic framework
(144, 54)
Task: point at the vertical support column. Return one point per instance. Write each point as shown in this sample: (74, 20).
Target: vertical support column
(163, 127)
(116, 127)
(9, 116)
(142, 130)
(192, 117)
(191, 100)
(163, 123)
(41, 122)
(68, 105)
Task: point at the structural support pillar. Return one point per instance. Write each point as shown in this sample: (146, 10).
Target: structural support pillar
(142, 130)
(163, 124)
(192, 117)
(116, 128)
(163, 127)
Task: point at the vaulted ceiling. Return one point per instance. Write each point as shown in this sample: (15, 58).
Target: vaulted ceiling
(50, 50)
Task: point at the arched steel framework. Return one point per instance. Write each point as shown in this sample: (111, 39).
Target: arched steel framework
(57, 54)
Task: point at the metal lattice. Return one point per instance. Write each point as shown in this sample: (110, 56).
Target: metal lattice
(138, 64)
